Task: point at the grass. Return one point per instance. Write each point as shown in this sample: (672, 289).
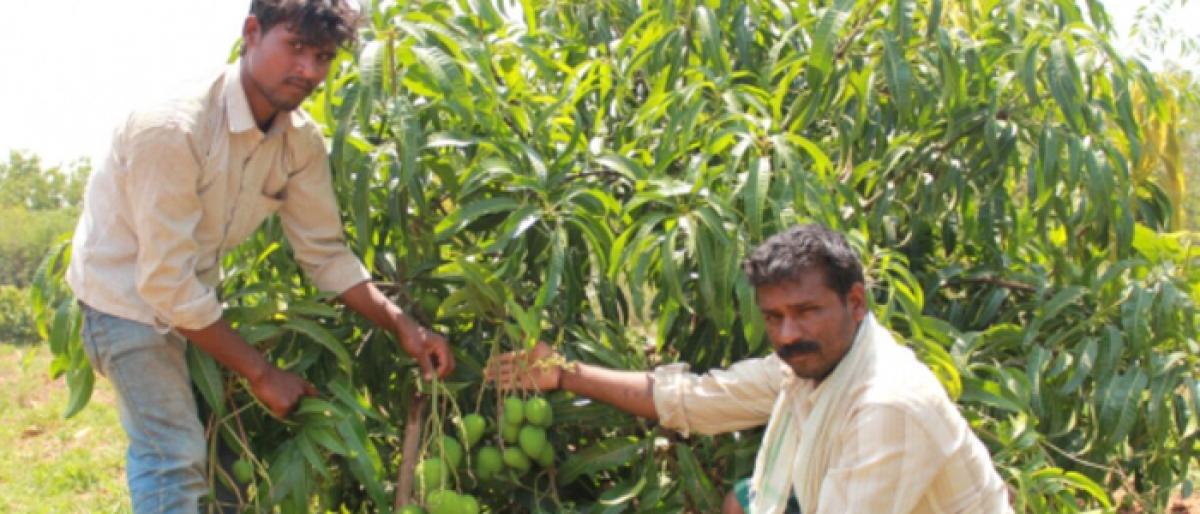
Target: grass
(49, 464)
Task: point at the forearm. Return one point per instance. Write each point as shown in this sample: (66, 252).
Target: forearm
(630, 391)
(228, 347)
(367, 300)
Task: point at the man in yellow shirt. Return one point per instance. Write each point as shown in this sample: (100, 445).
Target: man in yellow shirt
(855, 423)
(184, 182)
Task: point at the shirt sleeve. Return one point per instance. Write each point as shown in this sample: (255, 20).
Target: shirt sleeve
(886, 461)
(736, 398)
(161, 184)
(313, 225)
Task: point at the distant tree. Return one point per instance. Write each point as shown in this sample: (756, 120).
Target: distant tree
(25, 183)
(1175, 163)
(1189, 142)
(37, 206)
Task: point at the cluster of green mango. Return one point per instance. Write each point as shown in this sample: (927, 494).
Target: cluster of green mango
(522, 441)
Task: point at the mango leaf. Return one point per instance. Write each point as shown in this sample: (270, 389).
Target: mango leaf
(321, 336)
(600, 456)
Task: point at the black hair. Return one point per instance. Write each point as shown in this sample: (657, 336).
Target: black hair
(784, 256)
(319, 22)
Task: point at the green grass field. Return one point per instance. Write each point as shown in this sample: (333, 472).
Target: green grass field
(50, 464)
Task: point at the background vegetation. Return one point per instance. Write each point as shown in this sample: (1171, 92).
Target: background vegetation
(591, 173)
(37, 206)
(49, 464)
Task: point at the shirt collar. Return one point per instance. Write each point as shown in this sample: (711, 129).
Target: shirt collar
(237, 106)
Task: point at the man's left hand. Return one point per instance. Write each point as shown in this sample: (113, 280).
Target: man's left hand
(429, 348)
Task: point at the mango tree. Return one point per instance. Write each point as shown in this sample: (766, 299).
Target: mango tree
(591, 173)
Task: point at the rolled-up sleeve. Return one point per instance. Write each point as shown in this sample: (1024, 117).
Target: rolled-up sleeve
(736, 398)
(313, 226)
(162, 186)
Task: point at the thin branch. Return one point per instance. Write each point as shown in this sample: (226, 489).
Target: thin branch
(996, 281)
(412, 442)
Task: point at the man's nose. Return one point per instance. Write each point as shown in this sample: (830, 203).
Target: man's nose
(791, 330)
(309, 68)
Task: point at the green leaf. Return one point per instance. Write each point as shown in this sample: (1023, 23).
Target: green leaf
(699, 488)
(1063, 84)
(600, 456)
(1081, 481)
(311, 308)
(321, 336)
(554, 271)
(60, 330)
(80, 381)
(207, 377)
(825, 39)
(460, 218)
(991, 393)
(898, 73)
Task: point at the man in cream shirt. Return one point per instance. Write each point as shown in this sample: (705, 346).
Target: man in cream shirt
(855, 423)
(186, 181)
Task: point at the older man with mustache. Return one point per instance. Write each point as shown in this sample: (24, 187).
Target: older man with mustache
(855, 424)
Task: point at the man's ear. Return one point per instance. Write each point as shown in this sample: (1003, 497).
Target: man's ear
(856, 300)
(250, 31)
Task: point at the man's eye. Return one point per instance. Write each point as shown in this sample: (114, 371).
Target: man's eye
(297, 46)
(326, 57)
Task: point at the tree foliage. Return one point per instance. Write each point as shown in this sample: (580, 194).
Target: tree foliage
(591, 173)
(25, 182)
(37, 204)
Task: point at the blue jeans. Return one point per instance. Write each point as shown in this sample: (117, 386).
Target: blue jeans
(165, 464)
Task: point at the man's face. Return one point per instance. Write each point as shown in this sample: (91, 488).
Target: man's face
(810, 326)
(282, 67)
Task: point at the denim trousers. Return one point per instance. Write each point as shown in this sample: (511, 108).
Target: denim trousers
(165, 463)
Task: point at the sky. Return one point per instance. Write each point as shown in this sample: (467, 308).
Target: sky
(74, 68)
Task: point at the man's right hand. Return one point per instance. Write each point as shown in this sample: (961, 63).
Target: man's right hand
(542, 369)
(537, 369)
(280, 390)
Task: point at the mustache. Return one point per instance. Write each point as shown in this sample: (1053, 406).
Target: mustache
(798, 348)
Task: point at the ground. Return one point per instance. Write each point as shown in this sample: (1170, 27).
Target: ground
(49, 464)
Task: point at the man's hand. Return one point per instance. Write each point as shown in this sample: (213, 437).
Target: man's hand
(429, 348)
(280, 390)
(537, 369)
(543, 369)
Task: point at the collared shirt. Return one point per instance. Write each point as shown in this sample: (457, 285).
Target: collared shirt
(188, 180)
(904, 449)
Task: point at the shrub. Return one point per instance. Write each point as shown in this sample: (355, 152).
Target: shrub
(16, 319)
(26, 237)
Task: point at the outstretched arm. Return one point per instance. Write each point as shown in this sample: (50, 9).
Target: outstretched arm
(544, 370)
(718, 401)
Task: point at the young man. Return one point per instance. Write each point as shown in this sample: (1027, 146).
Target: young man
(183, 183)
(855, 423)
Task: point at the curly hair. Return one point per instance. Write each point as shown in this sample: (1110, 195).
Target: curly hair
(784, 256)
(320, 22)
